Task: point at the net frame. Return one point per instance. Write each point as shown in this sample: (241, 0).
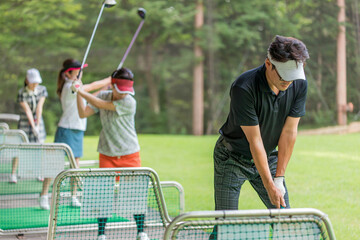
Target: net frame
(206, 220)
(9, 117)
(4, 126)
(154, 183)
(180, 189)
(41, 147)
(13, 136)
(164, 185)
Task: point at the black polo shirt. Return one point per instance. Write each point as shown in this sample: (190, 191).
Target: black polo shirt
(254, 103)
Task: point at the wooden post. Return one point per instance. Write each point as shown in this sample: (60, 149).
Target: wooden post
(341, 66)
(198, 74)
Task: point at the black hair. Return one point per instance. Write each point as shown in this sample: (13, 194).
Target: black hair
(123, 73)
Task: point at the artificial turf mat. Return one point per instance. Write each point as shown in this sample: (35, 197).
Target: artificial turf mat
(22, 187)
(34, 217)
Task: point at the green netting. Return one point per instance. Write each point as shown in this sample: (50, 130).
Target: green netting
(30, 163)
(5, 168)
(172, 199)
(245, 231)
(122, 194)
(274, 231)
(252, 228)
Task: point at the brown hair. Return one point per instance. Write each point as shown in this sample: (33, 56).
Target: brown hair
(61, 77)
(283, 49)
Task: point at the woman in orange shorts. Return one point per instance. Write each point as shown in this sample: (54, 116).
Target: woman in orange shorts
(118, 143)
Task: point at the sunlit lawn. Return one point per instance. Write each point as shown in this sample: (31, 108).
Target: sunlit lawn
(324, 173)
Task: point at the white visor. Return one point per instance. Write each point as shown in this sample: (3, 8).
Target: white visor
(290, 70)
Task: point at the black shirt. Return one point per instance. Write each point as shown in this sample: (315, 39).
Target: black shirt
(254, 103)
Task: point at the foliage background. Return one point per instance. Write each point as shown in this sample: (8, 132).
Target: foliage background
(42, 34)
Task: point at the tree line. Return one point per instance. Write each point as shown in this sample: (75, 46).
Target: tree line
(233, 38)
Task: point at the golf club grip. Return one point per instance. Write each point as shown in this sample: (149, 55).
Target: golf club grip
(131, 43)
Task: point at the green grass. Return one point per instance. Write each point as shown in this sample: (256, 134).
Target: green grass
(324, 173)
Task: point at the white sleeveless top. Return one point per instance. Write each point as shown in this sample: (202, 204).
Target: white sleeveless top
(70, 118)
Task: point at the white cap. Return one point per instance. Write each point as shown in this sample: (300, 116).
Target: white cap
(289, 70)
(33, 76)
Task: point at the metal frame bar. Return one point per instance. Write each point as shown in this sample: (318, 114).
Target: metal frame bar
(9, 117)
(4, 126)
(70, 172)
(181, 219)
(15, 132)
(44, 146)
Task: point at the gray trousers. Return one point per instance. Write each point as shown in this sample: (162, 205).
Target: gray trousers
(230, 173)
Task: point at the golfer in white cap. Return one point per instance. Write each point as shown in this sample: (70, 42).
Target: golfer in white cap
(31, 98)
(258, 137)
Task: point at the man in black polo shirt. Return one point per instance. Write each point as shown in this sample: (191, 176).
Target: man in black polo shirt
(266, 105)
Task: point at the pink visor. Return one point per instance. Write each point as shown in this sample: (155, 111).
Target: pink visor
(75, 68)
(123, 85)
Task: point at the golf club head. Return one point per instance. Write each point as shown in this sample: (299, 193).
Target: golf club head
(142, 13)
(109, 3)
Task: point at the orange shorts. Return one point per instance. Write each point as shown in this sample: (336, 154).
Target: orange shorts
(131, 160)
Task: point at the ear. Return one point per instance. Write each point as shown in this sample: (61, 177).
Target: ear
(268, 64)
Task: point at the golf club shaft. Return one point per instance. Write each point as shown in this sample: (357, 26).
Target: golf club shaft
(91, 39)
(131, 43)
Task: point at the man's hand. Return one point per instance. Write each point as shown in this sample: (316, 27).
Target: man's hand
(76, 86)
(276, 197)
(279, 183)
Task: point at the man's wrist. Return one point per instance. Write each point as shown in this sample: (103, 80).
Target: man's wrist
(269, 185)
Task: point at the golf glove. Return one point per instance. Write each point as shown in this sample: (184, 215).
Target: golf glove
(279, 183)
(76, 86)
(36, 131)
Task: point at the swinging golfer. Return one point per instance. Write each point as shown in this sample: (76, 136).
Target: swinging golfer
(259, 134)
(118, 141)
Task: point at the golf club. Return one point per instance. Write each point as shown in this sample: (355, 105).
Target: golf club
(106, 4)
(142, 14)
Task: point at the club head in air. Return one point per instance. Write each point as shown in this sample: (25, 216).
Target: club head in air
(109, 3)
(142, 13)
